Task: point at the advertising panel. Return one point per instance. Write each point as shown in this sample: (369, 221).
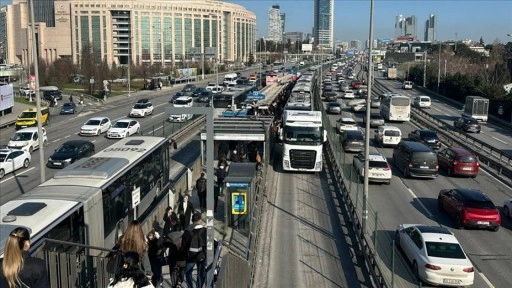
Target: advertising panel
(186, 73)
(307, 47)
(6, 97)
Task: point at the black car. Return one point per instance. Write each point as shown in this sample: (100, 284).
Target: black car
(467, 124)
(352, 141)
(330, 96)
(69, 152)
(427, 137)
(189, 89)
(204, 97)
(51, 95)
(198, 91)
(68, 108)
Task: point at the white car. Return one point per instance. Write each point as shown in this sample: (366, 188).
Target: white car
(435, 255)
(123, 128)
(345, 124)
(358, 108)
(507, 207)
(180, 118)
(27, 139)
(13, 159)
(142, 109)
(422, 102)
(387, 136)
(349, 94)
(378, 171)
(95, 126)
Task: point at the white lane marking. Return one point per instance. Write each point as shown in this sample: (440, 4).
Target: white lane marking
(86, 113)
(421, 203)
(60, 139)
(17, 174)
(485, 279)
(156, 115)
(499, 140)
(161, 104)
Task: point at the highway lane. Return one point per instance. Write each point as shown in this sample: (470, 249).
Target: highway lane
(494, 135)
(66, 127)
(414, 201)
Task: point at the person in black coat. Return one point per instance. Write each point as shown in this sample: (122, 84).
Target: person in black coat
(188, 209)
(171, 222)
(156, 254)
(22, 270)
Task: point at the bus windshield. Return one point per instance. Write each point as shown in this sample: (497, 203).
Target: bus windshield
(400, 101)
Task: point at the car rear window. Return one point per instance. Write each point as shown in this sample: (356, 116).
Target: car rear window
(428, 134)
(480, 204)
(428, 157)
(393, 133)
(467, 159)
(445, 250)
(378, 164)
(425, 99)
(355, 137)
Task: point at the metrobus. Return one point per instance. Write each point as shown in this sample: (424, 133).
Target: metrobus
(395, 108)
(91, 201)
(230, 99)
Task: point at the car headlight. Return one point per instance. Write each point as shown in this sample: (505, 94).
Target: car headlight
(68, 160)
(50, 159)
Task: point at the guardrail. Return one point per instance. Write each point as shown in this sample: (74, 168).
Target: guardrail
(7, 124)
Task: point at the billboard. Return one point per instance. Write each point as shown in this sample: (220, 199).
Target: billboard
(186, 73)
(307, 47)
(6, 97)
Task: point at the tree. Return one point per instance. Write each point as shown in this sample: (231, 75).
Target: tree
(251, 59)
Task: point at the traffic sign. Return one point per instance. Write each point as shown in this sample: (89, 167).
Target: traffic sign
(238, 203)
(255, 96)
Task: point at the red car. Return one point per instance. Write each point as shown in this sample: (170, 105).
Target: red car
(458, 161)
(356, 85)
(469, 208)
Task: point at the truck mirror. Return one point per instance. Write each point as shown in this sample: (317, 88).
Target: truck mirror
(281, 134)
(325, 136)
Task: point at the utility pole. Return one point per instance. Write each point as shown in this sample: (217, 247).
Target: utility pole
(38, 97)
(439, 68)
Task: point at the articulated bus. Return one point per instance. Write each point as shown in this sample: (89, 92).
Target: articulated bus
(93, 200)
(231, 99)
(395, 108)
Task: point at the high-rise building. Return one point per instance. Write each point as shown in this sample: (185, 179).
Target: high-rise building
(44, 11)
(355, 44)
(431, 28)
(283, 20)
(323, 23)
(275, 27)
(405, 26)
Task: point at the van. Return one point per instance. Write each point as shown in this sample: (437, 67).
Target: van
(183, 101)
(27, 139)
(407, 85)
(415, 159)
(387, 136)
(50, 93)
(28, 118)
(422, 102)
(230, 78)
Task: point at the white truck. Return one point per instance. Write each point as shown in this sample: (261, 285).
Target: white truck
(302, 136)
(230, 78)
(476, 107)
(392, 73)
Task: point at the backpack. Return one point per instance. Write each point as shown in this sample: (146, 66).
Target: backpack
(196, 252)
(115, 262)
(201, 184)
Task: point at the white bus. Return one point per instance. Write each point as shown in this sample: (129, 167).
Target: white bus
(395, 108)
(92, 201)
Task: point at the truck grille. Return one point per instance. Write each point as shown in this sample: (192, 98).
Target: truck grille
(302, 159)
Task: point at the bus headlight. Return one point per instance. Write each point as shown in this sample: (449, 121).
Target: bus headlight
(318, 166)
(286, 163)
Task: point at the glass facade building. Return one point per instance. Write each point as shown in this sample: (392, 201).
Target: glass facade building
(137, 31)
(323, 32)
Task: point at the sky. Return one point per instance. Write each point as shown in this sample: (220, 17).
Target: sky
(470, 19)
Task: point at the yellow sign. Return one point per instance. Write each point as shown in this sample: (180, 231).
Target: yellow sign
(238, 203)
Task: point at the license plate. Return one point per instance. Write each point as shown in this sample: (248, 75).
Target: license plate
(424, 167)
(57, 163)
(467, 168)
(451, 281)
(482, 222)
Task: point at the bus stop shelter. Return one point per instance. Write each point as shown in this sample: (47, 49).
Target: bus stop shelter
(246, 135)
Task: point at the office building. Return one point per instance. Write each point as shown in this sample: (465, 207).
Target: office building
(283, 21)
(275, 25)
(405, 26)
(355, 44)
(431, 28)
(293, 37)
(323, 23)
(367, 44)
(137, 31)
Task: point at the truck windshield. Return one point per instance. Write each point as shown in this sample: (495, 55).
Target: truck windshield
(302, 135)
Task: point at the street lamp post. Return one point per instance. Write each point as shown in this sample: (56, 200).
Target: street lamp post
(439, 68)
(424, 68)
(129, 64)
